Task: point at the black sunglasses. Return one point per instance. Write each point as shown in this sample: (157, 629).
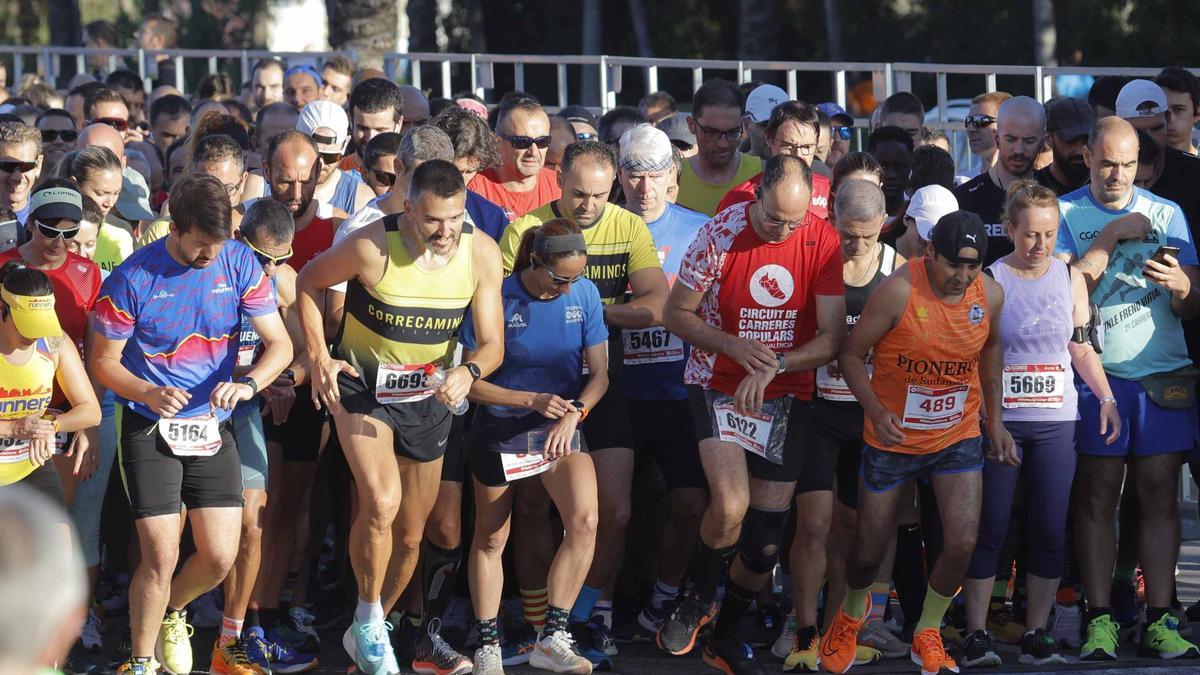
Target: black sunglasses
(16, 166)
(331, 157)
(114, 122)
(385, 177)
(523, 142)
(54, 233)
(978, 121)
(51, 135)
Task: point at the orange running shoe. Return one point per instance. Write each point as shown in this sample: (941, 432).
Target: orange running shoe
(839, 644)
(929, 653)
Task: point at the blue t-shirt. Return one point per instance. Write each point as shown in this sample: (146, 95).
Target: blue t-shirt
(486, 215)
(249, 349)
(654, 359)
(1142, 336)
(182, 325)
(544, 341)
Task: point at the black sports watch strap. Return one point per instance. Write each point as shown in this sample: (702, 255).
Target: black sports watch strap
(473, 370)
(247, 380)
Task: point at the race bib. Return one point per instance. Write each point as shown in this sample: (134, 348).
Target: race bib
(191, 436)
(760, 432)
(651, 345)
(833, 387)
(928, 409)
(245, 356)
(1034, 386)
(532, 462)
(396, 383)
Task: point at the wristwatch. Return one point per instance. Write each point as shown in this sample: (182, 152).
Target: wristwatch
(249, 381)
(581, 408)
(473, 370)
(782, 363)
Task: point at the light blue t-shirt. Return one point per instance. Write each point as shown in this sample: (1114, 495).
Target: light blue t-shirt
(654, 359)
(1142, 336)
(543, 341)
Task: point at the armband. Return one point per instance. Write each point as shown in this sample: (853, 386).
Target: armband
(1081, 335)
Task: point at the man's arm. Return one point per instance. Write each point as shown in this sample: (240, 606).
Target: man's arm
(363, 255)
(487, 317)
(645, 309)
(831, 330)
(1094, 262)
(277, 349)
(106, 366)
(680, 318)
(880, 315)
(991, 374)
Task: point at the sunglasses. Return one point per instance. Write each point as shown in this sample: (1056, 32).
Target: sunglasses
(843, 133)
(54, 233)
(561, 281)
(585, 136)
(978, 121)
(51, 135)
(523, 142)
(331, 157)
(265, 258)
(385, 178)
(16, 166)
(114, 122)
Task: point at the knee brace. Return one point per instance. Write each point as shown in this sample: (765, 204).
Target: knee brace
(762, 534)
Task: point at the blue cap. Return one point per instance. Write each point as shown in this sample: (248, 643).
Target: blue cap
(305, 69)
(834, 111)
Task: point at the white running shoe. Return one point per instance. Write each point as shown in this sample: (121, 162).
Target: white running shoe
(488, 661)
(876, 636)
(90, 637)
(1065, 625)
(557, 653)
(783, 644)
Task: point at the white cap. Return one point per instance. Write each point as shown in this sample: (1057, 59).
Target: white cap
(1141, 98)
(763, 100)
(325, 115)
(645, 148)
(928, 205)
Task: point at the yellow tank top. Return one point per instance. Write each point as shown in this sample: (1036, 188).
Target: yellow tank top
(411, 317)
(24, 390)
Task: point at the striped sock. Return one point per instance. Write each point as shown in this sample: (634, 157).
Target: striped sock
(533, 606)
(231, 629)
(879, 600)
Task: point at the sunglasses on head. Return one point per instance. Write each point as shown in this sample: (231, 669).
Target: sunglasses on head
(385, 177)
(265, 258)
(114, 122)
(51, 135)
(978, 121)
(54, 233)
(16, 166)
(524, 142)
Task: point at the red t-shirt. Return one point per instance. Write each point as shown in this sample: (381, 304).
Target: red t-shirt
(745, 193)
(76, 286)
(759, 290)
(516, 204)
(310, 242)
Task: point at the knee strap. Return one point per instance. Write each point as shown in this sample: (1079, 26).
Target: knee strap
(762, 534)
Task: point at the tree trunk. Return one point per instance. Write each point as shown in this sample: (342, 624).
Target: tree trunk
(368, 26)
(1045, 36)
(641, 31)
(833, 30)
(592, 37)
(66, 27)
(422, 25)
(758, 30)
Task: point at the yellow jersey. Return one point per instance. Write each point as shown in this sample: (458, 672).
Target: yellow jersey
(704, 197)
(26, 390)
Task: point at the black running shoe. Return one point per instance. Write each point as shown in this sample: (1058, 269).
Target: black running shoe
(978, 651)
(678, 634)
(732, 657)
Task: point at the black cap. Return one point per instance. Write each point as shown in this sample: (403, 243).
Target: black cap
(958, 230)
(1069, 118)
(578, 113)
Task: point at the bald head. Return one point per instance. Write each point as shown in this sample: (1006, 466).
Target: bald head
(164, 90)
(292, 143)
(783, 197)
(416, 106)
(1019, 107)
(1020, 132)
(103, 136)
(1112, 127)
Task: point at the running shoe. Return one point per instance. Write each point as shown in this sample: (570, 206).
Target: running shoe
(1161, 640)
(929, 653)
(174, 647)
(301, 621)
(229, 659)
(865, 656)
(803, 658)
(406, 636)
(82, 663)
(488, 661)
(90, 637)
(732, 657)
(139, 667)
(256, 648)
(1124, 604)
(768, 625)
(284, 659)
(1039, 649)
(206, 611)
(876, 636)
(652, 618)
(368, 645)
(295, 634)
(601, 636)
(839, 645)
(1005, 626)
(1066, 625)
(978, 651)
(434, 656)
(558, 653)
(517, 647)
(1101, 643)
(584, 637)
(117, 600)
(678, 634)
(783, 644)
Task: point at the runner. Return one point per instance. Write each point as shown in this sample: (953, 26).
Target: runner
(520, 181)
(653, 368)
(291, 168)
(837, 420)
(412, 276)
(1044, 330)
(326, 123)
(97, 172)
(622, 258)
(529, 425)
(1112, 232)
(770, 270)
(164, 346)
(930, 326)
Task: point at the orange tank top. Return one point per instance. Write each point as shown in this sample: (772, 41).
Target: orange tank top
(927, 367)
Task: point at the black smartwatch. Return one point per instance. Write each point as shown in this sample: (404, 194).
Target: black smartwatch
(249, 381)
(473, 370)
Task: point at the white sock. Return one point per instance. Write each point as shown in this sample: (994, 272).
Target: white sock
(368, 612)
